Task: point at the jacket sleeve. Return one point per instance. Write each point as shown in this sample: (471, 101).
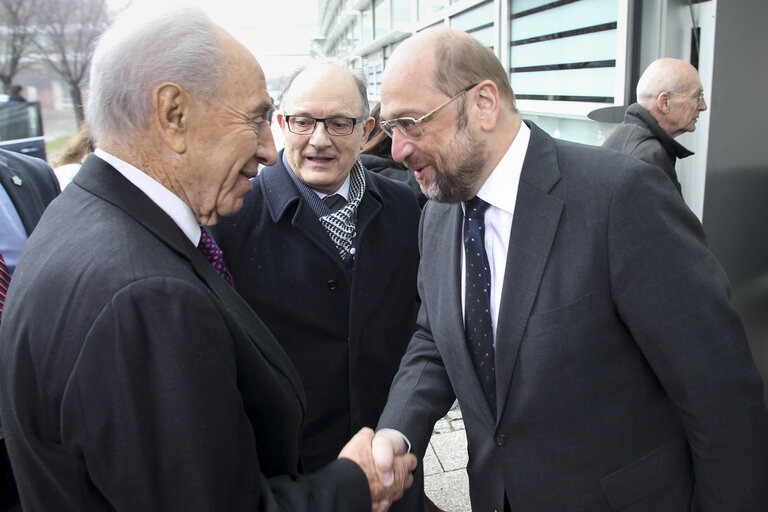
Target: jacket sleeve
(155, 409)
(421, 392)
(674, 297)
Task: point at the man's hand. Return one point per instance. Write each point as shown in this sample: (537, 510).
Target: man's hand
(387, 446)
(399, 468)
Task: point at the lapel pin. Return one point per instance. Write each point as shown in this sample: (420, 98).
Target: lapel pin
(16, 180)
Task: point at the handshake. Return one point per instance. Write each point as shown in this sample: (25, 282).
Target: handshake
(386, 464)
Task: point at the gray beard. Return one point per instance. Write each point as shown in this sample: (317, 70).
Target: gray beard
(460, 182)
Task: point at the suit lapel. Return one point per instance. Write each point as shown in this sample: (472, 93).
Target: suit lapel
(537, 215)
(440, 269)
(281, 195)
(102, 180)
(20, 191)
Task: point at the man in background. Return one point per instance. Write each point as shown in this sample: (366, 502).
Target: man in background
(570, 303)
(132, 375)
(27, 186)
(670, 98)
(15, 94)
(326, 254)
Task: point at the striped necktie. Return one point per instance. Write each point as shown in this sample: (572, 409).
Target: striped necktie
(5, 280)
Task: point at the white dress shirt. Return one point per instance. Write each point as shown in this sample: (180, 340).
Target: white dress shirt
(169, 202)
(500, 191)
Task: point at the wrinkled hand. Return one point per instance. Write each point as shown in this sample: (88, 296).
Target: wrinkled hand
(397, 467)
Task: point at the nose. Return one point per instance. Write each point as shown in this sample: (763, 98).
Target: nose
(320, 137)
(401, 146)
(266, 153)
(703, 105)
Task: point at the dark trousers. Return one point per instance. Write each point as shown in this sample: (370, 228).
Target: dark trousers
(9, 496)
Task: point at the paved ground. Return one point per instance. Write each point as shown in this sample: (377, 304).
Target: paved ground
(445, 476)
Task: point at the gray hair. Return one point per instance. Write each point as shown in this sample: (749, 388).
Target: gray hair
(358, 74)
(179, 46)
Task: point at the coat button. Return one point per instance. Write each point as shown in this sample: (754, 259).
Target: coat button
(501, 440)
(332, 285)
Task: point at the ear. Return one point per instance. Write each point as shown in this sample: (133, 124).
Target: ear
(487, 104)
(662, 102)
(280, 117)
(367, 129)
(171, 108)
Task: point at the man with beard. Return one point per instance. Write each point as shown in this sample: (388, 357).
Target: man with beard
(669, 100)
(571, 305)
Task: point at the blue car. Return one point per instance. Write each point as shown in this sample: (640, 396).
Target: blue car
(21, 128)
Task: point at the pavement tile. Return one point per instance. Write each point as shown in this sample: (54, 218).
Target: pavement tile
(431, 463)
(451, 449)
(449, 491)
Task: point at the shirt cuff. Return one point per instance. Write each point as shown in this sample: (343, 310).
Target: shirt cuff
(407, 442)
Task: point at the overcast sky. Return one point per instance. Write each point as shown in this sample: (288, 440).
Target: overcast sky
(278, 32)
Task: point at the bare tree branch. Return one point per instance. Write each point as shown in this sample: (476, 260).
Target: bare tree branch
(17, 34)
(68, 30)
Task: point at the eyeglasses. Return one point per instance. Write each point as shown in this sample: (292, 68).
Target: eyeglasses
(411, 127)
(698, 97)
(337, 126)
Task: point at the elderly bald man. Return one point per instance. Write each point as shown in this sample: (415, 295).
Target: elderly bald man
(669, 100)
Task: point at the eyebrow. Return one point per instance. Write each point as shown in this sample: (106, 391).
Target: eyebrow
(262, 109)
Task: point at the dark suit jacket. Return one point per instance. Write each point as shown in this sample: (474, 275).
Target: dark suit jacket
(623, 372)
(38, 185)
(641, 136)
(345, 332)
(135, 378)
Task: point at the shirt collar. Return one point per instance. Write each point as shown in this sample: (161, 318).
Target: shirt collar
(500, 189)
(169, 202)
(343, 190)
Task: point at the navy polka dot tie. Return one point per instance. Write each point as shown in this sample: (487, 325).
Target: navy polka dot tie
(478, 325)
(212, 252)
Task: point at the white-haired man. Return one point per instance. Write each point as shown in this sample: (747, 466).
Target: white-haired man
(134, 377)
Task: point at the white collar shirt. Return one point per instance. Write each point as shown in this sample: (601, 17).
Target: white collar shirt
(169, 202)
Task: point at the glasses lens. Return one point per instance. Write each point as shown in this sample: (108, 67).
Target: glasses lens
(409, 127)
(299, 124)
(340, 125)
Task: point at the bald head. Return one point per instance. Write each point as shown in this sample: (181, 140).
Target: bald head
(671, 90)
(449, 59)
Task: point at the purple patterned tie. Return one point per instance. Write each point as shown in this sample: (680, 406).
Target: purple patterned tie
(5, 279)
(212, 252)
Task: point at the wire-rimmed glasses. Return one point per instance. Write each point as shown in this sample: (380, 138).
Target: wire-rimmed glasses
(411, 127)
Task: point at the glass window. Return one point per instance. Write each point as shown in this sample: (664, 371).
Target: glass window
(564, 51)
(428, 9)
(401, 14)
(383, 17)
(367, 27)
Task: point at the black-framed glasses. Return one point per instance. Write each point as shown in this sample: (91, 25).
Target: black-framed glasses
(337, 126)
(411, 127)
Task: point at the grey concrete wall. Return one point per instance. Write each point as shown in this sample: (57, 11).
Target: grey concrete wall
(736, 195)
